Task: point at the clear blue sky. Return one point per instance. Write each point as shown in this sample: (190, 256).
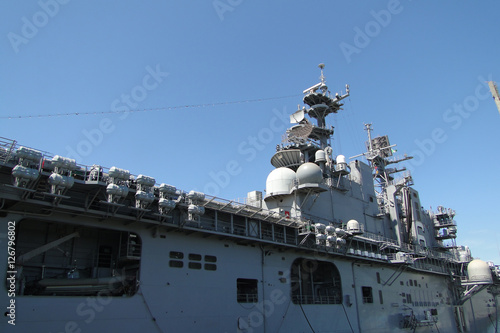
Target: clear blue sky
(416, 69)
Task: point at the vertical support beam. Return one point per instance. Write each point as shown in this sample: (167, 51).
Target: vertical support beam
(246, 226)
(216, 219)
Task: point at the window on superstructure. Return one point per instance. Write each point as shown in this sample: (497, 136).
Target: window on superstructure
(367, 294)
(420, 230)
(194, 265)
(315, 282)
(176, 263)
(210, 263)
(246, 291)
(176, 255)
(210, 267)
(209, 258)
(193, 256)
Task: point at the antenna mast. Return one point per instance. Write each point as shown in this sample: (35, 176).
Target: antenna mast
(494, 92)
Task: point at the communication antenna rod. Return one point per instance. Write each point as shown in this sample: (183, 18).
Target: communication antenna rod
(322, 77)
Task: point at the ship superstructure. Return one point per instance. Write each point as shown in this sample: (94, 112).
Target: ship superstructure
(331, 246)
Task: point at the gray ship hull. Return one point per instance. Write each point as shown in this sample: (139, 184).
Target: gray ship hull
(193, 299)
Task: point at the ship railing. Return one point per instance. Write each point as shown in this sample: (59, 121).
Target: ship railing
(6, 149)
(235, 207)
(318, 299)
(379, 238)
(313, 219)
(429, 266)
(247, 298)
(405, 178)
(443, 255)
(9, 147)
(444, 222)
(88, 173)
(425, 252)
(464, 279)
(250, 228)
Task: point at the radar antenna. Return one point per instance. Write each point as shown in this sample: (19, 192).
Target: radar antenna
(379, 155)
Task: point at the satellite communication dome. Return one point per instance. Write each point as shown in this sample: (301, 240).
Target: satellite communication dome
(320, 156)
(353, 227)
(309, 173)
(341, 159)
(479, 271)
(280, 181)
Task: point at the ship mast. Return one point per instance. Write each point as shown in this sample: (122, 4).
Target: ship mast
(304, 138)
(321, 104)
(378, 152)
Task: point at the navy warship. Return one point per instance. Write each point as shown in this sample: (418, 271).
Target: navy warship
(334, 244)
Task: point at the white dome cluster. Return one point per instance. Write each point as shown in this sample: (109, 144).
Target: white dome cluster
(281, 180)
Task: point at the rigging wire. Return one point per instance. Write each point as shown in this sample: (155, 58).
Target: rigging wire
(284, 315)
(147, 109)
(312, 329)
(148, 308)
(347, 317)
(435, 324)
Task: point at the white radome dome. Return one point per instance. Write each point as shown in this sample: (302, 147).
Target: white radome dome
(280, 181)
(309, 173)
(479, 271)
